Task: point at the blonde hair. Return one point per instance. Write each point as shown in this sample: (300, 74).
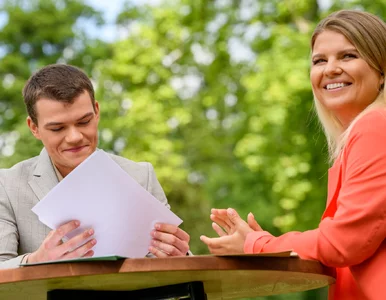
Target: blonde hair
(367, 33)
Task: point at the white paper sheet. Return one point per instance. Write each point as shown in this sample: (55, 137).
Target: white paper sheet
(102, 196)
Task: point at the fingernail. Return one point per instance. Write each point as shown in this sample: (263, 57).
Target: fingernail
(93, 241)
(152, 233)
(157, 226)
(77, 223)
(231, 211)
(91, 231)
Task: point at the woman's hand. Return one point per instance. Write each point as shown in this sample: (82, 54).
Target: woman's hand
(232, 231)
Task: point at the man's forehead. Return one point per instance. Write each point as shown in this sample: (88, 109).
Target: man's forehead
(49, 110)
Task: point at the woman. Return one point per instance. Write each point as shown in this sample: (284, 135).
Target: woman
(347, 76)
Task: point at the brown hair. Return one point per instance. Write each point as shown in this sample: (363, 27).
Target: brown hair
(58, 82)
(367, 33)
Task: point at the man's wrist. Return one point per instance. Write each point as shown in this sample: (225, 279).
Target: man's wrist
(25, 258)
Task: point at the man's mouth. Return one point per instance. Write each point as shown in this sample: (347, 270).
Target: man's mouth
(75, 149)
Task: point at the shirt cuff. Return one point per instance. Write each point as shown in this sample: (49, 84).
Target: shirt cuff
(251, 245)
(24, 260)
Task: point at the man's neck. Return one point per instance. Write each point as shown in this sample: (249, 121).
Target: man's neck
(57, 172)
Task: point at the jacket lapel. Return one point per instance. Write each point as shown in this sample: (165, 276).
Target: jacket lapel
(43, 177)
(334, 185)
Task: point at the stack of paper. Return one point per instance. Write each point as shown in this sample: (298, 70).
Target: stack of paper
(102, 196)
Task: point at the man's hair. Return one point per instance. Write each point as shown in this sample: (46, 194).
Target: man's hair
(367, 33)
(58, 82)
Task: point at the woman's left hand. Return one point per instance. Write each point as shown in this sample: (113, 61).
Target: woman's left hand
(232, 231)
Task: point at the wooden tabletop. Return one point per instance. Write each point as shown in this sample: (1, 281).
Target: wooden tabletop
(223, 277)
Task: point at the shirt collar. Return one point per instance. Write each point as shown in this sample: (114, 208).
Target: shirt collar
(58, 175)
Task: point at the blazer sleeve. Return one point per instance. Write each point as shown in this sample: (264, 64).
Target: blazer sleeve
(154, 187)
(358, 227)
(8, 232)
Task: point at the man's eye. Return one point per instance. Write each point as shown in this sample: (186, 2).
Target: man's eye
(56, 129)
(318, 61)
(84, 123)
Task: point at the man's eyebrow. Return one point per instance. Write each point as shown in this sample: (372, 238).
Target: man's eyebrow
(86, 115)
(59, 123)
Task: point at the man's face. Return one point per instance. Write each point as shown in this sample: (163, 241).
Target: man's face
(69, 132)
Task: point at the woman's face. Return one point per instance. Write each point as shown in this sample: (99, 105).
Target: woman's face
(341, 79)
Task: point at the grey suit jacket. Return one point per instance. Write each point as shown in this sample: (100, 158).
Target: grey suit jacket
(23, 185)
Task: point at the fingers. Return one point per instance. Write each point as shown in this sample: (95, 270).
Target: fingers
(166, 249)
(219, 212)
(53, 248)
(221, 217)
(224, 222)
(218, 229)
(233, 216)
(157, 252)
(253, 223)
(76, 241)
(169, 243)
(55, 237)
(170, 240)
(82, 251)
(174, 230)
(215, 245)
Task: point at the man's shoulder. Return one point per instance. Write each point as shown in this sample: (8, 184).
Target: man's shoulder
(23, 168)
(130, 166)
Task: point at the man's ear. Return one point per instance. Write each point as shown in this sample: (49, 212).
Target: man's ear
(97, 115)
(33, 127)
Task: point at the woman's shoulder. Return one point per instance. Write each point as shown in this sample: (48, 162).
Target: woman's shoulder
(373, 121)
(367, 138)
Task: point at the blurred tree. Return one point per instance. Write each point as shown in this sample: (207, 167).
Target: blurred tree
(215, 94)
(37, 33)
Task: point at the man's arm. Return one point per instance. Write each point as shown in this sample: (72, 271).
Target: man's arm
(168, 240)
(9, 236)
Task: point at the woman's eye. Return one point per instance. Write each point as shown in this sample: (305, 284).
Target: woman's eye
(349, 55)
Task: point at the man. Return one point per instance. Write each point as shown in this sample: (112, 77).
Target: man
(64, 115)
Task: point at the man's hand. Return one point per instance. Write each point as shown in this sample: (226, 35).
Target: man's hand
(232, 231)
(53, 248)
(169, 240)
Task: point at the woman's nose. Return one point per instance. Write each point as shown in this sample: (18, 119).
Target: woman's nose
(332, 68)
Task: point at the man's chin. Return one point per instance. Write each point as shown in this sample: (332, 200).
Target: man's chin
(76, 159)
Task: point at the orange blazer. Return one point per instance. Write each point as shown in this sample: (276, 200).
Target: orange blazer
(351, 234)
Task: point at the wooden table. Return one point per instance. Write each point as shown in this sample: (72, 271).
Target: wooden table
(223, 277)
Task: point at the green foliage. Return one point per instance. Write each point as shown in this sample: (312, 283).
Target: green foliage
(215, 94)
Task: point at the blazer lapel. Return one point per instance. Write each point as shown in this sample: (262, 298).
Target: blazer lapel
(334, 185)
(43, 177)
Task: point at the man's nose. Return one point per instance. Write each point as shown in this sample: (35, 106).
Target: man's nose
(332, 68)
(74, 135)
